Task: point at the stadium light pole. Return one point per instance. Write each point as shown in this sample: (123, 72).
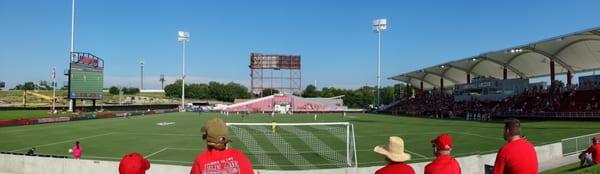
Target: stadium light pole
(142, 75)
(72, 49)
(183, 37)
(379, 25)
(53, 90)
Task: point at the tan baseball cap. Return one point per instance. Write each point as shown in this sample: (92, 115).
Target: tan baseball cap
(215, 131)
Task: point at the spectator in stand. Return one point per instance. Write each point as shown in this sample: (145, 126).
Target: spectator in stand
(592, 155)
(133, 163)
(443, 163)
(517, 156)
(394, 154)
(217, 158)
(77, 150)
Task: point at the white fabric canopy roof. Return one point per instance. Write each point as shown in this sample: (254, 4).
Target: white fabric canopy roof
(575, 52)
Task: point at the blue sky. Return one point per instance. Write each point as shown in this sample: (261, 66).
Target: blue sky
(334, 38)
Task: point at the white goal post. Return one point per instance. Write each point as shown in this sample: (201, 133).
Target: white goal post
(296, 145)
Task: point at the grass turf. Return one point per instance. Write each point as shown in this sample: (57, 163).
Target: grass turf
(20, 114)
(179, 143)
(574, 169)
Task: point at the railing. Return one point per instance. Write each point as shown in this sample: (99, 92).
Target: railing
(578, 144)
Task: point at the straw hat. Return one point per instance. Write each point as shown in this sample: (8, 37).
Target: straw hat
(394, 150)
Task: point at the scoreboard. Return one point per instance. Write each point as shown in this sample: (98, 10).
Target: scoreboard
(86, 77)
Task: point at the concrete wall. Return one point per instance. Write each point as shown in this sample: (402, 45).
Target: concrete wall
(18, 164)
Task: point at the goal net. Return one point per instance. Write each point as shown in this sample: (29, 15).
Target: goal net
(296, 146)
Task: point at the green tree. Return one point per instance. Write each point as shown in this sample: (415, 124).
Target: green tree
(364, 97)
(25, 86)
(235, 90)
(310, 91)
(388, 95)
(269, 91)
(173, 90)
(130, 90)
(216, 90)
(197, 91)
(113, 90)
(333, 92)
(28, 86)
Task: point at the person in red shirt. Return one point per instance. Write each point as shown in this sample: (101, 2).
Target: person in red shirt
(394, 154)
(444, 163)
(592, 155)
(518, 155)
(133, 163)
(217, 158)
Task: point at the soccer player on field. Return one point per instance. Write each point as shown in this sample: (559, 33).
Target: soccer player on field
(217, 158)
(444, 163)
(591, 156)
(273, 127)
(77, 150)
(517, 155)
(394, 154)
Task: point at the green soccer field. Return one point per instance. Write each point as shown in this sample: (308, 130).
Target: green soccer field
(179, 143)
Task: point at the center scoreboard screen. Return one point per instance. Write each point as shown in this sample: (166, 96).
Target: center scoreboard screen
(86, 78)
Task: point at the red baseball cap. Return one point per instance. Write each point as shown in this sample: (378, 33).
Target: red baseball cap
(133, 163)
(443, 142)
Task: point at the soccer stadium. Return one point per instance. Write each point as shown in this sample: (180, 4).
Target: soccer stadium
(103, 89)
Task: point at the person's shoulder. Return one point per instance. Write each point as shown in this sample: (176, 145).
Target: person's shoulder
(202, 154)
(527, 143)
(235, 152)
(430, 166)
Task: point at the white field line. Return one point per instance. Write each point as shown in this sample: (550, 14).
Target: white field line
(161, 134)
(115, 158)
(152, 154)
(418, 154)
(477, 135)
(65, 141)
(190, 149)
(34, 128)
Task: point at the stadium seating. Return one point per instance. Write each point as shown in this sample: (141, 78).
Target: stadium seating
(538, 104)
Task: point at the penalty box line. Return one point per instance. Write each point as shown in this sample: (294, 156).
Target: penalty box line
(65, 141)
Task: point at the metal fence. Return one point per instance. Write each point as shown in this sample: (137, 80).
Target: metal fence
(577, 144)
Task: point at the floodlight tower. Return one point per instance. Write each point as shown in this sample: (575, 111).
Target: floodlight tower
(183, 37)
(53, 90)
(142, 75)
(162, 81)
(379, 25)
(71, 101)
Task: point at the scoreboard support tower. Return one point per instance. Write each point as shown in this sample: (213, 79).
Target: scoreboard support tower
(279, 72)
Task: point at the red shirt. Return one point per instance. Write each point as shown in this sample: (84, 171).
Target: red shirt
(595, 150)
(396, 168)
(443, 164)
(228, 161)
(516, 157)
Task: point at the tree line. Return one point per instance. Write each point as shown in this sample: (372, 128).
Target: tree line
(126, 90)
(363, 97)
(213, 90)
